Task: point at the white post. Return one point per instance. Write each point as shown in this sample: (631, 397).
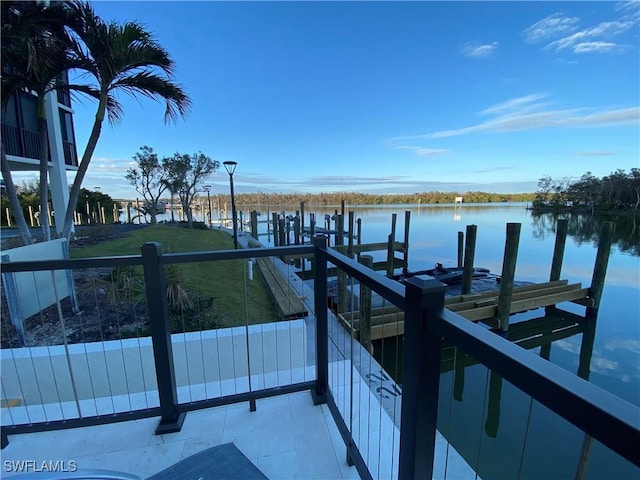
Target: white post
(57, 168)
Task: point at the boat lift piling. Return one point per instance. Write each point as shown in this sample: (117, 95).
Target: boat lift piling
(558, 249)
(460, 249)
(390, 245)
(600, 268)
(508, 274)
(469, 254)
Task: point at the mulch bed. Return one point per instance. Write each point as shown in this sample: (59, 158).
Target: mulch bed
(99, 316)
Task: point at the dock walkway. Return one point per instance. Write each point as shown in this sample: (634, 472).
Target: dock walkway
(389, 321)
(287, 301)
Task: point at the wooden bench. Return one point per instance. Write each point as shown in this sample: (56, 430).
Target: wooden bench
(287, 301)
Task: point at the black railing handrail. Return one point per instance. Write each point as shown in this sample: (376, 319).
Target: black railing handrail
(604, 416)
(166, 259)
(599, 413)
(390, 290)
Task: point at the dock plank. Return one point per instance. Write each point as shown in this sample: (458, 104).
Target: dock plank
(287, 301)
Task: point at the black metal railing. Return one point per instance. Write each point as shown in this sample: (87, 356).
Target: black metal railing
(598, 413)
(20, 142)
(165, 402)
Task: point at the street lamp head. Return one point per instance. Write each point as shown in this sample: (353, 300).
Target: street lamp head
(230, 166)
(207, 188)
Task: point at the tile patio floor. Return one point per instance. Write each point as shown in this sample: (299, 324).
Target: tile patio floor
(287, 437)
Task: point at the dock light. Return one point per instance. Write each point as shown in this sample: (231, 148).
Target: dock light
(230, 166)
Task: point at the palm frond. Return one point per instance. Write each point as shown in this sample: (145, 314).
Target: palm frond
(157, 88)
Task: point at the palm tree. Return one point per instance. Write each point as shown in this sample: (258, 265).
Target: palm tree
(33, 53)
(122, 58)
(37, 49)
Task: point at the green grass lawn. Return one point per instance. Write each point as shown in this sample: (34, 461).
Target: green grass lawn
(215, 291)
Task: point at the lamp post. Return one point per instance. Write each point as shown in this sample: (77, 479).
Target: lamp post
(231, 167)
(207, 188)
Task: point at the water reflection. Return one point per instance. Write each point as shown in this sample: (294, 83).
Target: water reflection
(499, 430)
(586, 229)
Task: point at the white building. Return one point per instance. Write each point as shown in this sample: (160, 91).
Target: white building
(21, 144)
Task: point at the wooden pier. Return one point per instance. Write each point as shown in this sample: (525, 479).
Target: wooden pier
(493, 307)
(389, 321)
(287, 301)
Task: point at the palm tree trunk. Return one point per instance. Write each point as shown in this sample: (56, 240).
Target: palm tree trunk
(44, 172)
(14, 201)
(82, 169)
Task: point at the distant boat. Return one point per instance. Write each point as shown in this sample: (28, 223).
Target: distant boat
(447, 275)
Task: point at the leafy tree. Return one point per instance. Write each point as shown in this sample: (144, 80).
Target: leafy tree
(149, 179)
(123, 58)
(188, 172)
(585, 191)
(90, 203)
(616, 191)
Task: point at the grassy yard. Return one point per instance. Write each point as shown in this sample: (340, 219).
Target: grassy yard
(201, 295)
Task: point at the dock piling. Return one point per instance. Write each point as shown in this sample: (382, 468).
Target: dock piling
(460, 248)
(600, 267)
(296, 230)
(558, 250)
(391, 244)
(407, 223)
(365, 308)
(469, 254)
(282, 232)
(508, 274)
(351, 224)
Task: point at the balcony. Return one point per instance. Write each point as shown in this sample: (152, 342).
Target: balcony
(20, 142)
(299, 397)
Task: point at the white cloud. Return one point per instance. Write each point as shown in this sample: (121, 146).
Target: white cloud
(524, 113)
(549, 27)
(566, 34)
(603, 47)
(514, 104)
(479, 50)
(629, 7)
(422, 151)
(584, 37)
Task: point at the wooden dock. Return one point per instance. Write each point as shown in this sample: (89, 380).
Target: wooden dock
(288, 303)
(389, 321)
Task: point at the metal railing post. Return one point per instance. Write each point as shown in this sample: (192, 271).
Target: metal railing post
(322, 321)
(420, 377)
(156, 290)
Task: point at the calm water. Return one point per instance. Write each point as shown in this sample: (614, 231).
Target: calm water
(498, 429)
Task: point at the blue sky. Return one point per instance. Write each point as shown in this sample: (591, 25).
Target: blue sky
(386, 97)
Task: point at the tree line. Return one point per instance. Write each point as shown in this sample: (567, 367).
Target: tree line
(618, 191)
(41, 41)
(88, 206)
(355, 198)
